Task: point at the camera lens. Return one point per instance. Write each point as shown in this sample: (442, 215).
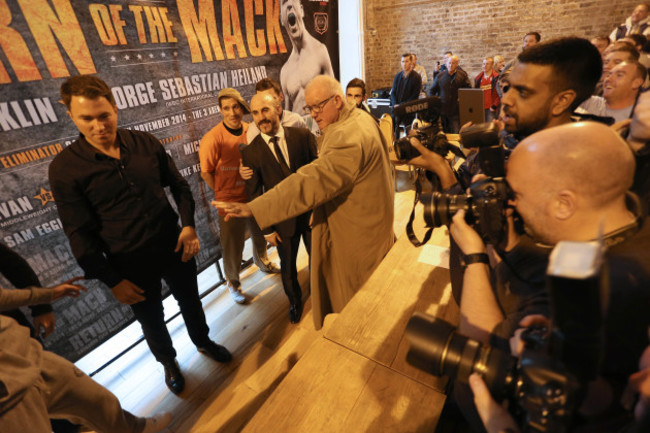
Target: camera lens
(440, 208)
(435, 347)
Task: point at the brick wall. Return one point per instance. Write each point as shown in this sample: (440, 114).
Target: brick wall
(474, 29)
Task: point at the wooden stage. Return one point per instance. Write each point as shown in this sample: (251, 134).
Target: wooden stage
(351, 376)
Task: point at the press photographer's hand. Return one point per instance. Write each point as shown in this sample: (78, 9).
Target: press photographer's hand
(465, 236)
(495, 417)
(433, 162)
(517, 345)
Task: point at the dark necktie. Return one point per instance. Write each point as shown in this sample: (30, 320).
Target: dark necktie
(278, 153)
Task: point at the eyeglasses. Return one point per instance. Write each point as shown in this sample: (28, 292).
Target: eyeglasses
(318, 108)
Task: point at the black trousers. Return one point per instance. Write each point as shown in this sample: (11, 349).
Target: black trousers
(288, 252)
(450, 124)
(146, 270)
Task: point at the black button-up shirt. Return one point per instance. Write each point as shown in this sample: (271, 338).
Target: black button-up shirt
(113, 207)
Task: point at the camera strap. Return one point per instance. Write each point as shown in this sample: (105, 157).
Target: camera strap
(409, 226)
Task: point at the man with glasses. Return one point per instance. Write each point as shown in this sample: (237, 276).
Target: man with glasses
(350, 190)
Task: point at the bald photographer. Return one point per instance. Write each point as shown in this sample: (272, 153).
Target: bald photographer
(560, 191)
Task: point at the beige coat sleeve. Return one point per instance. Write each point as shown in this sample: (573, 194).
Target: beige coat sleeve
(333, 173)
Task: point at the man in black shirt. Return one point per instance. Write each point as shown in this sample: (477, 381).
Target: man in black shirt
(406, 87)
(109, 190)
(446, 86)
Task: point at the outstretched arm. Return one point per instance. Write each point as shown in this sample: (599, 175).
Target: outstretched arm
(233, 209)
(325, 178)
(10, 299)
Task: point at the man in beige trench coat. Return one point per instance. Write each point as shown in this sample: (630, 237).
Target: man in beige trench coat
(350, 190)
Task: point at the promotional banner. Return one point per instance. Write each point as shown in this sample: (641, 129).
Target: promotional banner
(165, 62)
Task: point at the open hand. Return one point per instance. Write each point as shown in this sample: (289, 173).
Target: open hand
(274, 239)
(233, 209)
(67, 288)
(188, 240)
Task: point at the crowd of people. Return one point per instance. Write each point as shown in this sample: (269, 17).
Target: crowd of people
(574, 129)
(269, 178)
(613, 97)
(574, 124)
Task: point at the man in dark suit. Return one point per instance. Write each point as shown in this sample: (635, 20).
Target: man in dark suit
(273, 155)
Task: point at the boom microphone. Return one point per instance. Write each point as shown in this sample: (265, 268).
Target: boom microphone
(418, 106)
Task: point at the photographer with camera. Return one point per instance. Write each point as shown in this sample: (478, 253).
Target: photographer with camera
(568, 183)
(497, 419)
(549, 81)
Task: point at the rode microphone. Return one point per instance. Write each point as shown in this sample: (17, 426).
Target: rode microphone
(418, 106)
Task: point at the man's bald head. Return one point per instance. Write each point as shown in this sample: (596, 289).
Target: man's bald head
(588, 158)
(266, 109)
(640, 13)
(570, 181)
(260, 99)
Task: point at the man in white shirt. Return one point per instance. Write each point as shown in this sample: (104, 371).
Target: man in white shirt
(287, 118)
(620, 90)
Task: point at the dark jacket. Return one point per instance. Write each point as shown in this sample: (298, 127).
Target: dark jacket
(301, 146)
(446, 87)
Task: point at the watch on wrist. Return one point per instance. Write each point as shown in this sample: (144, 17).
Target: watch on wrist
(468, 259)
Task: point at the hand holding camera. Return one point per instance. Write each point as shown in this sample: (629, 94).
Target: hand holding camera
(430, 160)
(465, 236)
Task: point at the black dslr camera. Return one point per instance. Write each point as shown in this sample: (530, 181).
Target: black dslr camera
(434, 140)
(545, 385)
(488, 198)
(430, 137)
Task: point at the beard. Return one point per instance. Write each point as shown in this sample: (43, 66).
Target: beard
(524, 128)
(266, 126)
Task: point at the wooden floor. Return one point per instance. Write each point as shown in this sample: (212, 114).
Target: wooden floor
(222, 398)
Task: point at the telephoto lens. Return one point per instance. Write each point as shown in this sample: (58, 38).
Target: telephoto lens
(436, 348)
